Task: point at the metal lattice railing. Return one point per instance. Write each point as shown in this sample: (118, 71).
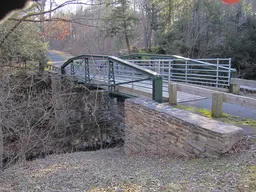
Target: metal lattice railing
(111, 71)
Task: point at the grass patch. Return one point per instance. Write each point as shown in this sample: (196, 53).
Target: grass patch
(227, 118)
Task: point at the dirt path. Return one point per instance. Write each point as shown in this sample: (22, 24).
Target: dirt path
(111, 170)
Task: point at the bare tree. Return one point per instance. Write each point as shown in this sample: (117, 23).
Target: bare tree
(149, 14)
(41, 14)
(40, 118)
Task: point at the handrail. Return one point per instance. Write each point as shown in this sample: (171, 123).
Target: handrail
(202, 62)
(134, 66)
(113, 58)
(186, 70)
(172, 57)
(209, 59)
(147, 55)
(80, 57)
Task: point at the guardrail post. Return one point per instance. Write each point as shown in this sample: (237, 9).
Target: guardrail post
(169, 72)
(159, 67)
(217, 73)
(86, 70)
(217, 105)
(234, 88)
(229, 69)
(186, 72)
(158, 89)
(173, 94)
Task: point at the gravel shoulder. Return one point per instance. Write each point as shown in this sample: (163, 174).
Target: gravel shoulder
(112, 170)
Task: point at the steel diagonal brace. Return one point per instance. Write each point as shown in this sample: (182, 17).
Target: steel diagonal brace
(111, 76)
(97, 72)
(135, 81)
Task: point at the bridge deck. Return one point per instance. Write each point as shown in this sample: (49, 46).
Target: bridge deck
(143, 87)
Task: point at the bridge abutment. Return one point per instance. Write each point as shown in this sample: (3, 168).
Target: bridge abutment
(160, 129)
(87, 117)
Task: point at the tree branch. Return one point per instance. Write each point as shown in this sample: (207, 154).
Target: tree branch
(70, 2)
(55, 19)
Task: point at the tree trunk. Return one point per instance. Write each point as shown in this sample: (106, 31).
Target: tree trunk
(150, 40)
(127, 41)
(42, 18)
(128, 44)
(41, 67)
(50, 15)
(42, 9)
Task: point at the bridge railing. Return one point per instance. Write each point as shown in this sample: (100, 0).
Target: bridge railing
(225, 62)
(201, 72)
(110, 71)
(208, 72)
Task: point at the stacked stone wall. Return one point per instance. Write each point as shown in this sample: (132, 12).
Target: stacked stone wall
(160, 129)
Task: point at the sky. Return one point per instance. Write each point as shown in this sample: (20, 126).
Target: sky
(68, 7)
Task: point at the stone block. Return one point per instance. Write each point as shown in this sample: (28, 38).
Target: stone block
(202, 138)
(215, 144)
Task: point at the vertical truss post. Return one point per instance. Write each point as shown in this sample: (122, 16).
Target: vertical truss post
(72, 68)
(158, 89)
(86, 70)
(62, 71)
(111, 76)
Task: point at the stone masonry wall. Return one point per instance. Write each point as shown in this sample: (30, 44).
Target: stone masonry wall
(89, 117)
(160, 129)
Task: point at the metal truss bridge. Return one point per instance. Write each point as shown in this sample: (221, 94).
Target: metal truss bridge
(148, 75)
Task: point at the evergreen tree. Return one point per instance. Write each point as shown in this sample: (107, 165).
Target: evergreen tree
(121, 21)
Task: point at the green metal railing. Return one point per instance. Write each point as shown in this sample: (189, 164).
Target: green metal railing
(112, 71)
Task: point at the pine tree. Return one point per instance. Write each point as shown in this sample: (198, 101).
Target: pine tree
(121, 21)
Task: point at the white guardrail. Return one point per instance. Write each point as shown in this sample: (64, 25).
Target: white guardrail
(208, 72)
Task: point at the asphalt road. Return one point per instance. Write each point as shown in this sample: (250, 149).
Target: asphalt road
(56, 59)
(232, 109)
